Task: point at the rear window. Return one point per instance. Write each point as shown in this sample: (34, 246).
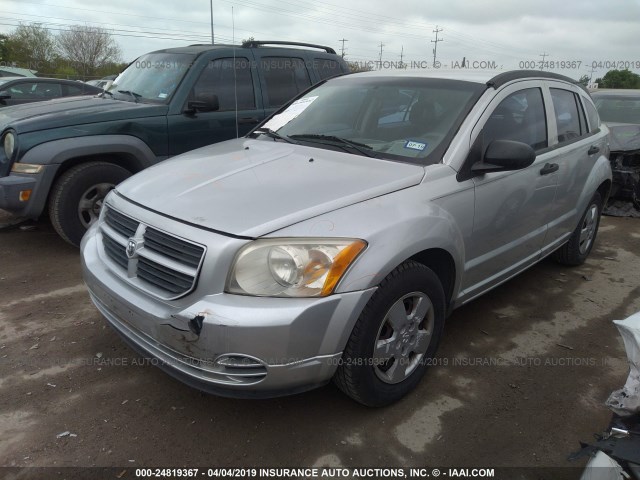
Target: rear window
(592, 115)
(285, 77)
(327, 68)
(567, 115)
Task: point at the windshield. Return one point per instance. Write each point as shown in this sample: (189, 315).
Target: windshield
(386, 117)
(618, 109)
(152, 78)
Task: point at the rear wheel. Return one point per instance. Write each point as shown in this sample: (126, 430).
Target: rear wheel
(577, 249)
(76, 198)
(395, 337)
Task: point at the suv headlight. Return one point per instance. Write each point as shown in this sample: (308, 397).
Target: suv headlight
(9, 143)
(292, 267)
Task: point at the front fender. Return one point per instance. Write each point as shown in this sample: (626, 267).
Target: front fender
(57, 152)
(396, 226)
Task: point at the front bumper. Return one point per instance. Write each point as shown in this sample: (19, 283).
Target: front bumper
(13, 184)
(229, 345)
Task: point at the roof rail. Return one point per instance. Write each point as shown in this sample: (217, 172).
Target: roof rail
(506, 77)
(259, 43)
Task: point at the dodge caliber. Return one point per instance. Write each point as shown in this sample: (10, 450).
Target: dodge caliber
(332, 241)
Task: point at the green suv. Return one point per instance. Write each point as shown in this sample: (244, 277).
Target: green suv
(65, 155)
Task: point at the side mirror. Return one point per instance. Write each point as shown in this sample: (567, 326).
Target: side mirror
(505, 155)
(4, 95)
(204, 103)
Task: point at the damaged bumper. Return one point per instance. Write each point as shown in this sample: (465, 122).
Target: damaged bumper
(229, 345)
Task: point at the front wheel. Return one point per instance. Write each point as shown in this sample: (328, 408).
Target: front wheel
(77, 196)
(395, 337)
(577, 249)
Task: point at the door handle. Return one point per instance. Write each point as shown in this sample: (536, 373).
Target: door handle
(247, 120)
(593, 150)
(549, 168)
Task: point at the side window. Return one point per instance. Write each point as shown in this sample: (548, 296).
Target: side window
(327, 68)
(220, 78)
(71, 90)
(592, 115)
(567, 116)
(284, 78)
(48, 90)
(24, 91)
(519, 117)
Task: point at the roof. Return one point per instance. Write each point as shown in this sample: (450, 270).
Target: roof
(20, 72)
(615, 92)
(488, 77)
(201, 48)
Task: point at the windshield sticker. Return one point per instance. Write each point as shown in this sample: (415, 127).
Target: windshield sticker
(163, 95)
(292, 111)
(415, 145)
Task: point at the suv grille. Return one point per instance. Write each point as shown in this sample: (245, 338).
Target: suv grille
(160, 263)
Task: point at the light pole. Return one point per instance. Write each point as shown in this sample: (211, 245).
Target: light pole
(212, 37)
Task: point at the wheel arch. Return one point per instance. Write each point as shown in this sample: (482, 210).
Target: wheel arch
(441, 262)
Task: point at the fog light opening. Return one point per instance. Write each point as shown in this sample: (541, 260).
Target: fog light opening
(24, 195)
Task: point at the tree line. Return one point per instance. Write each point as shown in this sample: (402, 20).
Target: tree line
(79, 52)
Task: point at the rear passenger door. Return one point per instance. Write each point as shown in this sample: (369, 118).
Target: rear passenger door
(282, 78)
(574, 152)
(234, 83)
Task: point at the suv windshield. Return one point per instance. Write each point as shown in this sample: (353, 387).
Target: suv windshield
(152, 78)
(400, 118)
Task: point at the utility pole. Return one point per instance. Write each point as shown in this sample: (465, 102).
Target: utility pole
(381, 45)
(435, 44)
(593, 69)
(543, 55)
(343, 40)
(212, 37)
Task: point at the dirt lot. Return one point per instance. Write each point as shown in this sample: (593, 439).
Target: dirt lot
(522, 376)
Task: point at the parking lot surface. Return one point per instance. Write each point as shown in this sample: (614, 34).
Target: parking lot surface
(520, 378)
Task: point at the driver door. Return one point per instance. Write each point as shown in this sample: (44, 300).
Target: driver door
(512, 208)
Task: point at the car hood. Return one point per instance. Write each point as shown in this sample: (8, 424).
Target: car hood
(63, 112)
(253, 187)
(624, 136)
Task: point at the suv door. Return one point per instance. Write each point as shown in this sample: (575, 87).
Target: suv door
(235, 88)
(575, 151)
(512, 208)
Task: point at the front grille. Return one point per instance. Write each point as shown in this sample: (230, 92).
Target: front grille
(173, 247)
(120, 223)
(163, 265)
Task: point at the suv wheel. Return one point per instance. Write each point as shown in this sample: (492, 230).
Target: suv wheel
(577, 249)
(77, 196)
(394, 338)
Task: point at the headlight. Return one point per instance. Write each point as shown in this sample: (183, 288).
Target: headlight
(9, 144)
(290, 267)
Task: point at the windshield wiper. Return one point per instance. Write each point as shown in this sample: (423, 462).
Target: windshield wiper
(107, 92)
(362, 148)
(135, 95)
(272, 134)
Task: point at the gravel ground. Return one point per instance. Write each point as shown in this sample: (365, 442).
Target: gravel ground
(520, 379)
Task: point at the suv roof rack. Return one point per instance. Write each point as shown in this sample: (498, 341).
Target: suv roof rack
(259, 43)
(506, 77)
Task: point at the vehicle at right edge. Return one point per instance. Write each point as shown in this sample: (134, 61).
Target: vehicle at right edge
(333, 240)
(620, 110)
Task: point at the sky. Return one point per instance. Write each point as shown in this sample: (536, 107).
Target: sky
(572, 37)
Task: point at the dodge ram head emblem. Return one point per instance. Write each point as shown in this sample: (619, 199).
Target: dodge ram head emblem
(132, 247)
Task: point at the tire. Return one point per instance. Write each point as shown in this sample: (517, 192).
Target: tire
(577, 249)
(408, 339)
(76, 197)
